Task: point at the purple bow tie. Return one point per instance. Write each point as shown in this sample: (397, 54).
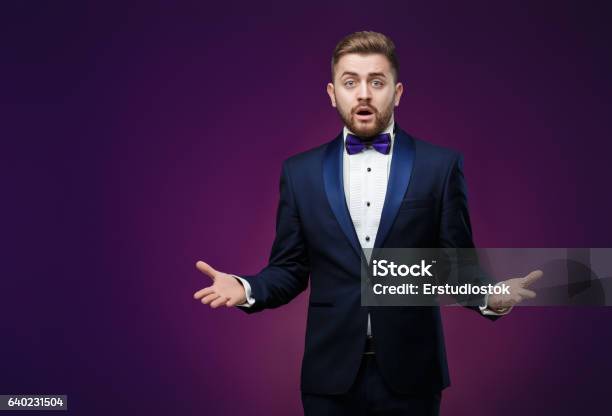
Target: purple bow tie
(381, 143)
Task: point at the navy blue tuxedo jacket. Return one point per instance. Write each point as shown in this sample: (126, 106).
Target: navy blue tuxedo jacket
(425, 206)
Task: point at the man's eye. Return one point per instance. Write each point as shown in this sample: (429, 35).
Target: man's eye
(377, 83)
(349, 83)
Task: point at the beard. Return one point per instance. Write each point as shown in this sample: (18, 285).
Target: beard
(371, 128)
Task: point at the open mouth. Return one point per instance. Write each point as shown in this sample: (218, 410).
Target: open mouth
(364, 114)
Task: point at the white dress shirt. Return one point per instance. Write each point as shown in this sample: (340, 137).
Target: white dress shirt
(365, 177)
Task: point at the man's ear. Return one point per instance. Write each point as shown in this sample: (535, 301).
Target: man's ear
(399, 89)
(332, 95)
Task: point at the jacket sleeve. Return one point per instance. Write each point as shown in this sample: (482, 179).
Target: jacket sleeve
(287, 272)
(456, 233)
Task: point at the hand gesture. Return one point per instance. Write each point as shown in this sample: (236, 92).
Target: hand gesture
(225, 289)
(518, 291)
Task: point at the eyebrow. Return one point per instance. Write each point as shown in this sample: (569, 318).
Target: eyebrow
(371, 74)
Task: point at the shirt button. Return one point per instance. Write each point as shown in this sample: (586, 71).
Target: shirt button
(368, 203)
(369, 169)
(367, 238)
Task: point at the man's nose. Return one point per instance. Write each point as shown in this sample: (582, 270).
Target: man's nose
(363, 93)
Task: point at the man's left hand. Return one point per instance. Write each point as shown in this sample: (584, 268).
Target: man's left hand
(518, 292)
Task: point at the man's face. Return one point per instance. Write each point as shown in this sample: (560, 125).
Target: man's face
(364, 92)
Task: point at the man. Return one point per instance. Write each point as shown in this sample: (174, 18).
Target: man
(372, 186)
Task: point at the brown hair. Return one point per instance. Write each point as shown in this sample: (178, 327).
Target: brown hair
(366, 43)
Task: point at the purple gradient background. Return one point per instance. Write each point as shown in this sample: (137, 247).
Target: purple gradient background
(138, 139)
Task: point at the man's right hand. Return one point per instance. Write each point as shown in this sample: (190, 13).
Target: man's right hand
(225, 290)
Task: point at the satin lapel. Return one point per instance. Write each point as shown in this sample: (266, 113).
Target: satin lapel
(334, 188)
(399, 178)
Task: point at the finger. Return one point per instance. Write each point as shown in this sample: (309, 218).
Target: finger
(526, 293)
(499, 302)
(203, 292)
(206, 300)
(221, 300)
(508, 301)
(206, 269)
(532, 277)
(232, 302)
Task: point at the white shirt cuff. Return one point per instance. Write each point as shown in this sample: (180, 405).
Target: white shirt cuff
(247, 290)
